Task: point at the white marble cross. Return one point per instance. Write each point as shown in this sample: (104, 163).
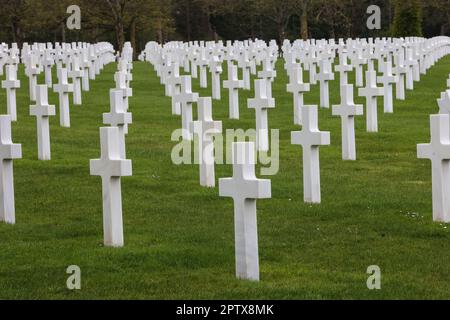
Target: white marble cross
(110, 167)
(13, 58)
(85, 65)
(215, 67)
(48, 63)
(297, 88)
(410, 64)
(2, 62)
(8, 152)
(93, 58)
(63, 88)
(371, 57)
(310, 138)
(126, 66)
(194, 56)
(416, 66)
(118, 117)
(11, 84)
(324, 76)
(358, 62)
(32, 72)
(205, 128)
(268, 74)
(233, 84)
(76, 74)
(42, 110)
(261, 103)
(203, 63)
(371, 92)
(120, 78)
(245, 188)
(444, 103)
(400, 71)
(175, 82)
(290, 60)
(347, 110)
(388, 80)
(245, 65)
(438, 151)
(171, 71)
(3, 58)
(186, 98)
(311, 63)
(343, 68)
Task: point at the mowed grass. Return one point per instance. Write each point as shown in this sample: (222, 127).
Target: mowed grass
(179, 237)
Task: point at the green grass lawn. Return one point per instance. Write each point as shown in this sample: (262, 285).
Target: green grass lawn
(179, 239)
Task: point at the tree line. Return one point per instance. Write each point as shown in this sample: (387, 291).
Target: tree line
(140, 21)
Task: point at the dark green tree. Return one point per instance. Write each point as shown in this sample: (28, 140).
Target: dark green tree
(407, 19)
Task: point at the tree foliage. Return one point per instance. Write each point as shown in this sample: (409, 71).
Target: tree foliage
(408, 18)
(140, 21)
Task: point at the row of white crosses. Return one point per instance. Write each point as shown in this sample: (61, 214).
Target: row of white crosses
(42, 110)
(179, 89)
(246, 56)
(438, 151)
(408, 71)
(323, 58)
(80, 62)
(233, 84)
(261, 103)
(318, 53)
(310, 137)
(11, 84)
(205, 128)
(83, 62)
(63, 88)
(113, 164)
(243, 187)
(8, 152)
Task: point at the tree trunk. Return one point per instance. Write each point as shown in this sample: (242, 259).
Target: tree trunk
(16, 32)
(63, 32)
(252, 27)
(260, 25)
(133, 37)
(352, 17)
(13, 32)
(281, 33)
(304, 23)
(160, 32)
(208, 22)
(120, 34)
(443, 30)
(188, 20)
(96, 34)
(448, 23)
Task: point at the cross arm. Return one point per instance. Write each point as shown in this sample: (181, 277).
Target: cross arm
(111, 168)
